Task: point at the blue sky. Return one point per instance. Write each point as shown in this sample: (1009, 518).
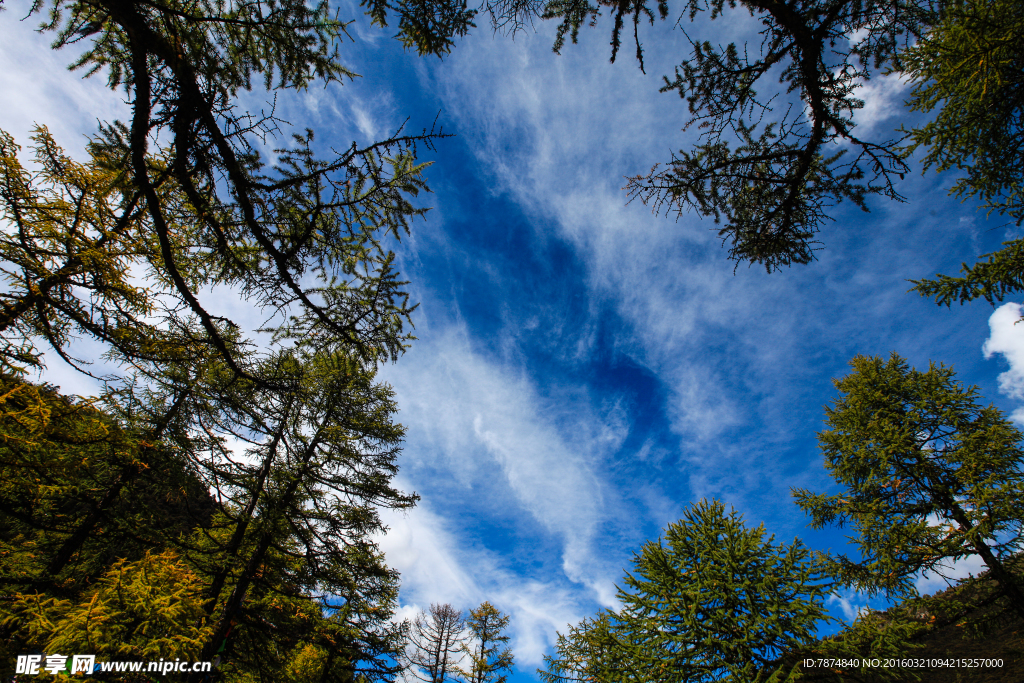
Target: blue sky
(585, 369)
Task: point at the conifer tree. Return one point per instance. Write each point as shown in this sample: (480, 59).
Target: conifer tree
(595, 651)
(970, 70)
(929, 476)
(178, 197)
(486, 648)
(322, 445)
(712, 601)
(59, 459)
(147, 609)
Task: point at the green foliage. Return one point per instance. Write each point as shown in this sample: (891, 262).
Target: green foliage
(301, 241)
(82, 501)
(713, 601)
(968, 620)
(1001, 274)
(301, 531)
(323, 446)
(427, 26)
(928, 476)
(573, 13)
(970, 68)
(147, 609)
(290, 43)
(488, 655)
(323, 621)
(70, 225)
(60, 460)
(594, 651)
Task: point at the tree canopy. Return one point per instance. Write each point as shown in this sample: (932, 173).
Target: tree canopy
(714, 600)
(968, 70)
(284, 437)
(929, 476)
(288, 528)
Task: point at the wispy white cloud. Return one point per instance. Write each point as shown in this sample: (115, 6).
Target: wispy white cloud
(420, 546)
(557, 134)
(559, 141)
(538, 610)
(851, 604)
(438, 567)
(39, 89)
(883, 98)
(485, 428)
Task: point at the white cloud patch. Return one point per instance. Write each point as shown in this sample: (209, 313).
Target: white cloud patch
(418, 545)
(557, 134)
(537, 611)
(1006, 337)
(948, 574)
(490, 444)
(883, 99)
(559, 143)
(851, 604)
(470, 419)
(364, 122)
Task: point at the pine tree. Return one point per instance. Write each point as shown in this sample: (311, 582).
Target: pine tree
(968, 70)
(595, 651)
(712, 601)
(146, 610)
(59, 460)
(322, 444)
(929, 477)
(488, 656)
